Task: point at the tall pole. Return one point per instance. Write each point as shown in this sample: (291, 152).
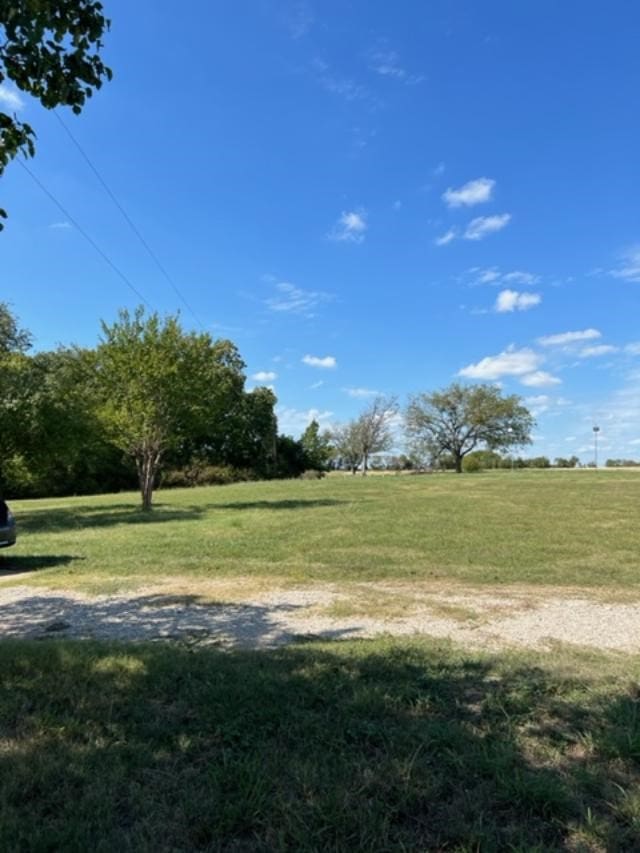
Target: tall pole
(596, 430)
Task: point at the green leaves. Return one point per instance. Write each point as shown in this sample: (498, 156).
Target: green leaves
(50, 50)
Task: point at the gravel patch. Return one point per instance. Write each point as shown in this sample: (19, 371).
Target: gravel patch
(266, 619)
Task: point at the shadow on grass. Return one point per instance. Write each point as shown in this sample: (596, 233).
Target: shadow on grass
(282, 504)
(15, 564)
(153, 617)
(82, 516)
(359, 746)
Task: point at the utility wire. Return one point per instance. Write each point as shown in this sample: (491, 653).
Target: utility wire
(86, 236)
(128, 219)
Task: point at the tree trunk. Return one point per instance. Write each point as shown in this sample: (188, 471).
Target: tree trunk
(458, 459)
(147, 465)
(364, 464)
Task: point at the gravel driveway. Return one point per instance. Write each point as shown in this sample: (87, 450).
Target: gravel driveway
(483, 619)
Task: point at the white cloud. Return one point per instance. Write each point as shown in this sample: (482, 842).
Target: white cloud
(629, 269)
(520, 277)
(328, 361)
(360, 392)
(295, 300)
(61, 226)
(350, 227)
(565, 338)
(317, 384)
(482, 226)
(264, 376)
(600, 349)
(538, 404)
(633, 348)
(493, 275)
(295, 421)
(451, 234)
(10, 98)
(510, 362)
(473, 192)
(511, 300)
(539, 379)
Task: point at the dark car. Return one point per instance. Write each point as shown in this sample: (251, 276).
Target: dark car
(7, 526)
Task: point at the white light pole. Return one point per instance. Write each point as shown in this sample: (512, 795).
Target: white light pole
(596, 430)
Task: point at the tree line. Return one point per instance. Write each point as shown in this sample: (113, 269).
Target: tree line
(154, 403)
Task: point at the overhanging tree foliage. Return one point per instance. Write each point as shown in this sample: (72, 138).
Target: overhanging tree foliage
(49, 49)
(161, 387)
(461, 418)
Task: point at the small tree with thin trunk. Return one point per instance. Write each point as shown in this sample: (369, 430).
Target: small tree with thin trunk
(347, 444)
(161, 386)
(374, 428)
(461, 418)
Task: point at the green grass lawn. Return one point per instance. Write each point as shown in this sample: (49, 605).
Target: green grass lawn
(556, 527)
(353, 746)
(377, 745)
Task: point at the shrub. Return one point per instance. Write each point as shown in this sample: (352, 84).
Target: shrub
(312, 474)
(206, 475)
(471, 464)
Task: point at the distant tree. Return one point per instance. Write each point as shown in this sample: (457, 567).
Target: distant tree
(291, 460)
(374, 429)
(461, 418)
(49, 49)
(317, 446)
(348, 445)
(561, 462)
(161, 386)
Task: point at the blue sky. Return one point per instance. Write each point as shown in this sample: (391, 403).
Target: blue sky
(364, 196)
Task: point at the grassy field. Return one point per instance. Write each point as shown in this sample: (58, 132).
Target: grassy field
(353, 746)
(556, 527)
(376, 745)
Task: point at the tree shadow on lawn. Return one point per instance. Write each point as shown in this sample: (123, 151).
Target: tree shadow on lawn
(281, 504)
(16, 564)
(83, 516)
(152, 617)
(358, 746)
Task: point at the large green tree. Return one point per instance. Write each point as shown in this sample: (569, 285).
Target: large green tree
(162, 388)
(49, 49)
(317, 446)
(461, 418)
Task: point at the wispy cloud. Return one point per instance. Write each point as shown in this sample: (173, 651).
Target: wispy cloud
(511, 300)
(510, 362)
(387, 63)
(343, 87)
(294, 421)
(328, 361)
(60, 226)
(493, 275)
(350, 227)
(447, 237)
(540, 379)
(360, 393)
(565, 338)
(599, 349)
(438, 170)
(10, 98)
(482, 226)
(264, 376)
(299, 19)
(629, 267)
(473, 192)
(633, 348)
(317, 385)
(294, 300)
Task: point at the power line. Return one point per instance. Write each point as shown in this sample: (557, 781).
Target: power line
(86, 236)
(128, 219)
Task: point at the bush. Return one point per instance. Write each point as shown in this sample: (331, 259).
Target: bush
(206, 475)
(471, 464)
(312, 474)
